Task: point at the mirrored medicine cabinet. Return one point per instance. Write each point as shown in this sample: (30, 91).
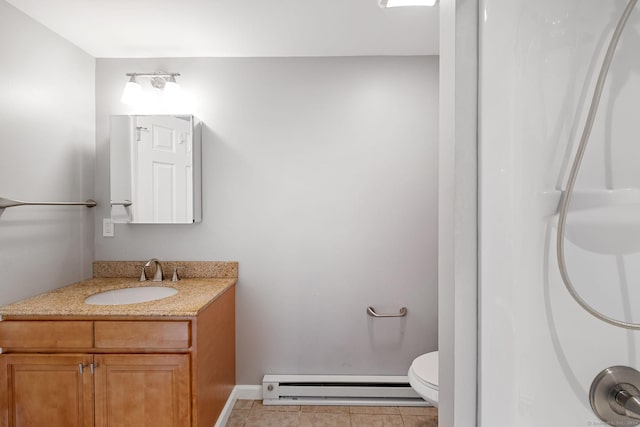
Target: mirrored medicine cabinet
(156, 169)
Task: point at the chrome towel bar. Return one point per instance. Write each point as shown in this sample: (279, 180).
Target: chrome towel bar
(372, 312)
(8, 203)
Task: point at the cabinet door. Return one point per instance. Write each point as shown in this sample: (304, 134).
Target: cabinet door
(142, 390)
(47, 390)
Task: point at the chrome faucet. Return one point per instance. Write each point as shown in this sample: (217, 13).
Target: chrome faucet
(157, 276)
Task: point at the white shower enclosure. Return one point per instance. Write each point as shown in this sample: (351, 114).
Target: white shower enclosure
(538, 350)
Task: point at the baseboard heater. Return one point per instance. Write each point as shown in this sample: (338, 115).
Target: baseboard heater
(339, 390)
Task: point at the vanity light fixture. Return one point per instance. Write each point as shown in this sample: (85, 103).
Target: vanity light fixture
(132, 91)
(398, 3)
(171, 89)
(166, 82)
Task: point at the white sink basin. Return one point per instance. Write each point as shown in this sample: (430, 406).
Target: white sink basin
(131, 295)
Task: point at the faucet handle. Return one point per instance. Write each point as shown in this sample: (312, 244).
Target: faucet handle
(176, 276)
(143, 274)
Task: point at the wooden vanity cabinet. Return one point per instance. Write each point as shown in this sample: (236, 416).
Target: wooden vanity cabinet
(142, 390)
(46, 390)
(124, 390)
(107, 372)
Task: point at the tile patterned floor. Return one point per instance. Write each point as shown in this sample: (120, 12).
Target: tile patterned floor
(252, 413)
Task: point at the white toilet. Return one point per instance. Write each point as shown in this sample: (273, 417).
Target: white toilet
(423, 377)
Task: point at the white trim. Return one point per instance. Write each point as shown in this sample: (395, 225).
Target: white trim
(348, 402)
(346, 379)
(248, 392)
(226, 410)
(244, 392)
(458, 214)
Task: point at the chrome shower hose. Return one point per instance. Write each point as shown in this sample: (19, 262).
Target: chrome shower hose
(575, 167)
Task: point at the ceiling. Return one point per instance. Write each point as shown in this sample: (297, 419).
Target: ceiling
(237, 28)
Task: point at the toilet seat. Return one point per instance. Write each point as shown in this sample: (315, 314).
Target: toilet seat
(423, 377)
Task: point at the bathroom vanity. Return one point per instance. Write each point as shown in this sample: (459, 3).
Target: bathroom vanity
(169, 362)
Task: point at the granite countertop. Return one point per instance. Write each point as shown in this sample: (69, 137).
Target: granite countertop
(193, 295)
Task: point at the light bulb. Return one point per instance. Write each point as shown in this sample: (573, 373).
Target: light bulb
(171, 91)
(132, 92)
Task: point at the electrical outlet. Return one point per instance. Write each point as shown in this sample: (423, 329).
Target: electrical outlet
(107, 227)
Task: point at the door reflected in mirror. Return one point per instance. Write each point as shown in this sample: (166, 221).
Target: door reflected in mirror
(155, 169)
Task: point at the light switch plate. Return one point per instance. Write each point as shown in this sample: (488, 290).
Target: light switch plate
(107, 227)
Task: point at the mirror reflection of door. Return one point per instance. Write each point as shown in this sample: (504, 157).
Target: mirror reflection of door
(162, 174)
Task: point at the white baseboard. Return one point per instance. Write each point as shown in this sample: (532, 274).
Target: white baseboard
(248, 392)
(243, 392)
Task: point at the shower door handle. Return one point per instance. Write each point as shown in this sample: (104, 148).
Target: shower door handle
(615, 396)
(629, 402)
(372, 312)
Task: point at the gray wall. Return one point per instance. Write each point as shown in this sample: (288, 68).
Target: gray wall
(320, 178)
(47, 152)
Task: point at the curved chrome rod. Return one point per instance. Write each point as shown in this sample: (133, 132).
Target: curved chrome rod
(126, 203)
(573, 175)
(8, 203)
(372, 312)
